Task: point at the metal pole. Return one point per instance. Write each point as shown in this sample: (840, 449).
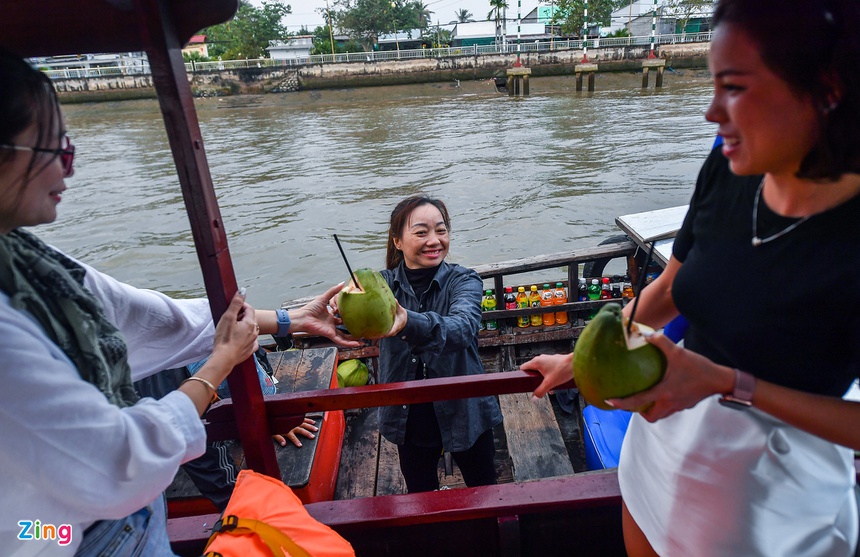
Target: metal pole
(585, 34)
(653, 29)
(519, 6)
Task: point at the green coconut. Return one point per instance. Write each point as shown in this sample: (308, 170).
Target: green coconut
(367, 308)
(609, 363)
(351, 373)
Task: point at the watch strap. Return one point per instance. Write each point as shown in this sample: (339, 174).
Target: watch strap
(742, 394)
(283, 323)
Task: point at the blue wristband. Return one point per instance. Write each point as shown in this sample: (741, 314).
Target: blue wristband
(283, 323)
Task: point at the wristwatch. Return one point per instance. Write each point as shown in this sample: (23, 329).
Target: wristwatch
(742, 395)
(283, 323)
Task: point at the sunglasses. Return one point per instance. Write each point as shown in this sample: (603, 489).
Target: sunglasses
(66, 153)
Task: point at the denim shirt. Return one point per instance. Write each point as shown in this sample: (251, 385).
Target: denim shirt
(441, 333)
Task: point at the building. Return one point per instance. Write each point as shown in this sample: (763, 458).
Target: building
(197, 44)
(634, 16)
(296, 48)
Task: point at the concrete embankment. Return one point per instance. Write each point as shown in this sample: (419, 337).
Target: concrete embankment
(381, 72)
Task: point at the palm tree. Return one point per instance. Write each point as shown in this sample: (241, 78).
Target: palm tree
(422, 13)
(464, 16)
(496, 15)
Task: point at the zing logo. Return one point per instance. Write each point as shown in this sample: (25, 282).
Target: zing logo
(35, 530)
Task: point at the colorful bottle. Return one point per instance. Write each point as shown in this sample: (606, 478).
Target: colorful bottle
(489, 304)
(547, 299)
(594, 290)
(560, 297)
(605, 291)
(627, 291)
(534, 301)
(522, 303)
(510, 298)
(582, 292)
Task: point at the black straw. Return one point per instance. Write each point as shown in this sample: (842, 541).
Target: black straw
(640, 285)
(348, 268)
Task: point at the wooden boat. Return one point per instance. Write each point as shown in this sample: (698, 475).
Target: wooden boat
(535, 511)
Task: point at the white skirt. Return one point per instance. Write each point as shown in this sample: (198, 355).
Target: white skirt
(714, 481)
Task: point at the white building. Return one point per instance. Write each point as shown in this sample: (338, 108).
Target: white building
(298, 47)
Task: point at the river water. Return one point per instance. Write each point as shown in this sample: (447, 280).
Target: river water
(520, 177)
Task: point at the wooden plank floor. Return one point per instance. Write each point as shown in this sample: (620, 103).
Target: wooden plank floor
(369, 464)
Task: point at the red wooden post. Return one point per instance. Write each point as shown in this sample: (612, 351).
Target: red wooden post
(210, 239)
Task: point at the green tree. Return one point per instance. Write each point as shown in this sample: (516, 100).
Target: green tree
(364, 20)
(569, 15)
(322, 42)
(496, 14)
(464, 16)
(248, 34)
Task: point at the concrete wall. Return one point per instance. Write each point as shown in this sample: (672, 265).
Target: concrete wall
(382, 72)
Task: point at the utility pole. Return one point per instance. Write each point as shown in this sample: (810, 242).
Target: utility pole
(330, 32)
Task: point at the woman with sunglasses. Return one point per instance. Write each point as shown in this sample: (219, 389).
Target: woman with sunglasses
(80, 452)
(746, 448)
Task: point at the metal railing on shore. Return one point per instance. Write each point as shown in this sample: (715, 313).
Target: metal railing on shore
(141, 66)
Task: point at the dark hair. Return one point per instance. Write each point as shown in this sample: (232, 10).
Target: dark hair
(814, 46)
(27, 96)
(399, 216)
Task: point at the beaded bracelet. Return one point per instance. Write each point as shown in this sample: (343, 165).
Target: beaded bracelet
(205, 382)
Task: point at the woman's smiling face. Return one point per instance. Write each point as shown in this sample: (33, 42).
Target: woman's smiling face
(424, 239)
(766, 126)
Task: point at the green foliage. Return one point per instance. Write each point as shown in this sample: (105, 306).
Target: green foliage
(248, 34)
(464, 16)
(619, 33)
(365, 20)
(322, 42)
(570, 14)
(194, 57)
(436, 37)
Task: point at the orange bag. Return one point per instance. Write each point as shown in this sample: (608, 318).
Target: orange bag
(264, 518)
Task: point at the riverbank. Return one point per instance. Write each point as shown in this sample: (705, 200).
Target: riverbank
(459, 70)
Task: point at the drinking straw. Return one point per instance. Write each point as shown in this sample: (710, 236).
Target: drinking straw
(348, 268)
(640, 285)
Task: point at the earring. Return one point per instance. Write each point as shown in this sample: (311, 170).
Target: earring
(826, 110)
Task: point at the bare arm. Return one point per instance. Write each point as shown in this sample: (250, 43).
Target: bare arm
(691, 377)
(656, 307)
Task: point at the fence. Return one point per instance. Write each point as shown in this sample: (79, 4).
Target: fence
(508, 47)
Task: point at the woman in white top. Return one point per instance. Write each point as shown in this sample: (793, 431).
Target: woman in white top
(747, 447)
(82, 459)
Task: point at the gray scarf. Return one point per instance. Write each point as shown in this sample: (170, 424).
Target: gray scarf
(50, 286)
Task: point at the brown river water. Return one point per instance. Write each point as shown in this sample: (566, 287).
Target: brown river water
(520, 177)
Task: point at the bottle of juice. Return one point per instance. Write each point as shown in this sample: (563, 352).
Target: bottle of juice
(560, 297)
(582, 292)
(534, 301)
(489, 304)
(627, 291)
(522, 303)
(547, 298)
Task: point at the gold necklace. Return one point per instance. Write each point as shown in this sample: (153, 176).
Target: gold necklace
(756, 241)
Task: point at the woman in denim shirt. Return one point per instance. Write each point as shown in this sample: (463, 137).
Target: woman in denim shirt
(442, 303)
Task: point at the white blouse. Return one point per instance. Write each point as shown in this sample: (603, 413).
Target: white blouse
(67, 456)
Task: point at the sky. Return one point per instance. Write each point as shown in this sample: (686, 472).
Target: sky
(305, 11)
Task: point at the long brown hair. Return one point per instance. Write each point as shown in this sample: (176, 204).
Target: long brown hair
(399, 216)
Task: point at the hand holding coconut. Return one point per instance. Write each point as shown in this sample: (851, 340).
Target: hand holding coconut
(689, 378)
(368, 309)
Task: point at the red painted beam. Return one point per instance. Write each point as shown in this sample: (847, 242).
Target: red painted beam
(590, 490)
(158, 28)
